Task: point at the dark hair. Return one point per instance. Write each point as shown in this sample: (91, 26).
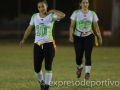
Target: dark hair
(81, 1)
(38, 1)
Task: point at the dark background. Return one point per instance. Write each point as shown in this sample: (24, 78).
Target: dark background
(15, 16)
(9, 9)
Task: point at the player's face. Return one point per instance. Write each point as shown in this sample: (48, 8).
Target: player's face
(42, 7)
(84, 4)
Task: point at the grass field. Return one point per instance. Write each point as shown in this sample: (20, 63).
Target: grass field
(16, 69)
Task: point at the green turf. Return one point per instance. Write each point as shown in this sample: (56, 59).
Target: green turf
(16, 69)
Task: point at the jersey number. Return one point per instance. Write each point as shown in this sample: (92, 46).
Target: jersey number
(41, 30)
(84, 24)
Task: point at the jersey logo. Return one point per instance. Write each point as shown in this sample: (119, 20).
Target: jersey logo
(41, 30)
(84, 24)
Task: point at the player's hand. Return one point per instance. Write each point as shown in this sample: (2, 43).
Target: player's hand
(71, 39)
(21, 43)
(100, 41)
(51, 11)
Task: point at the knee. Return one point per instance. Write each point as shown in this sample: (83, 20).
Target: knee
(48, 67)
(88, 63)
(88, 55)
(79, 57)
(37, 68)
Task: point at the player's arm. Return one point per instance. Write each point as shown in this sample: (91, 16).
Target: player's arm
(95, 24)
(71, 29)
(59, 14)
(27, 32)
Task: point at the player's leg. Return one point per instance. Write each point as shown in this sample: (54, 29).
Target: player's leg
(38, 58)
(79, 50)
(89, 43)
(55, 46)
(49, 53)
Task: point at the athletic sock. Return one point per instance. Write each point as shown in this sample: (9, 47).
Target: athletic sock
(87, 69)
(80, 66)
(48, 77)
(39, 76)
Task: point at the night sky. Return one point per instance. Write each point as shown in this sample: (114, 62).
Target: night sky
(9, 8)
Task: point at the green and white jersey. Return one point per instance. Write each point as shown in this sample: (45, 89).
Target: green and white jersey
(43, 27)
(83, 22)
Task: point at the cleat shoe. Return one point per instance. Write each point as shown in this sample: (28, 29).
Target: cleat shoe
(42, 85)
(87, 75)
(46, 87)
(78, 73)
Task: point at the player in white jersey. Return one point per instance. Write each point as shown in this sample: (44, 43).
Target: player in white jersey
(83, 36)
(43, 43)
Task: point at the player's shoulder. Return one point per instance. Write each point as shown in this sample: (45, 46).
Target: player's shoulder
(51, 14)
(76, 11)
(34, 15)
(93, 12)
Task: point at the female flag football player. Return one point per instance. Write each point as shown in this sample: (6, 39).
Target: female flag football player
(83, 36)
(43, 45)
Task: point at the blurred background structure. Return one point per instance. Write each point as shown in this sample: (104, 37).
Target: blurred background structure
(15, 16)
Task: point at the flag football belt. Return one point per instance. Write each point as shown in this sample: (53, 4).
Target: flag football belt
(84, 33)
(38, 43)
